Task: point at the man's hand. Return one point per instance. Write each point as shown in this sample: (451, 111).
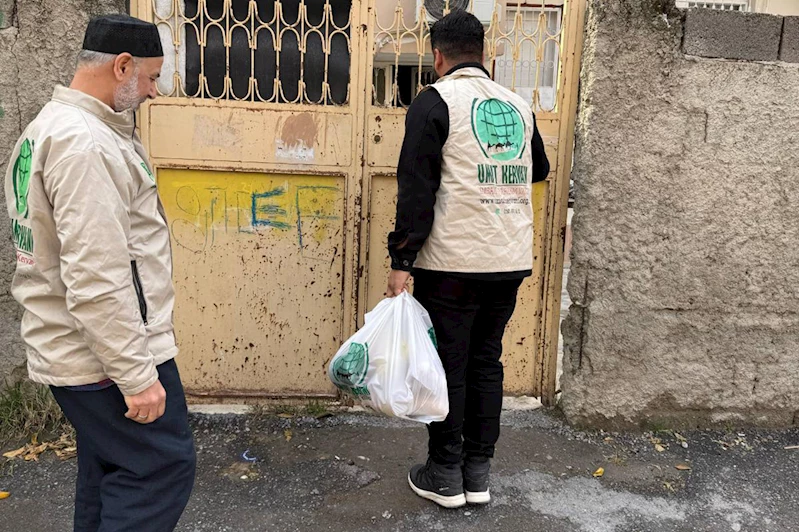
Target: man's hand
(397, 282)
(147, 406)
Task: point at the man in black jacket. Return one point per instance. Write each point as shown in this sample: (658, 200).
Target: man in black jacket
(465, 230)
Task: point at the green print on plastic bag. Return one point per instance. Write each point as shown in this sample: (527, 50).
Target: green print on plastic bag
(350, 370)
(432, 333)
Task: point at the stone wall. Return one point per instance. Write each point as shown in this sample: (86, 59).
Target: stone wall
(685, 260)
(39, 40)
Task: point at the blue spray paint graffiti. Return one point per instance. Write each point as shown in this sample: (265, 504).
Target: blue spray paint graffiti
(202, 211)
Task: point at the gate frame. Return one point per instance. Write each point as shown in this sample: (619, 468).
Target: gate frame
(357, 183)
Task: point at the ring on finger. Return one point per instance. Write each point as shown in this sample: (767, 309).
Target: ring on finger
(141, 417)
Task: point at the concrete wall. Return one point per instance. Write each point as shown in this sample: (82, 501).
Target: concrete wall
(685, 263)
(39, 40)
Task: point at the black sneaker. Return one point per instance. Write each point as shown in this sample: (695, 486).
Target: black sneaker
(475, 480)
(442, 484)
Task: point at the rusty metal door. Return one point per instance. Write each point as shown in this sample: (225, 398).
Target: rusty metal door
(275, 144)
(256, 142)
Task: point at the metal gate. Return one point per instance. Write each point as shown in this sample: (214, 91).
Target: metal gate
(275, 146)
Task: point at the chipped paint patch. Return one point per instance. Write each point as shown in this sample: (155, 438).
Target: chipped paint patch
(297, 138)
(297, 152)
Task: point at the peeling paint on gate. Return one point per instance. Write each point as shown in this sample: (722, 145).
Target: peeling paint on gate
(297, 138)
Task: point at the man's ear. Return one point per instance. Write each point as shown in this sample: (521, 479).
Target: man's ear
(438, 60)
(122, 64)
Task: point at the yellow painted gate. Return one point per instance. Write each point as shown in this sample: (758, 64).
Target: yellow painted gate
(275, 144)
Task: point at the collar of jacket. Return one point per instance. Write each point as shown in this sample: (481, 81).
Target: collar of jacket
(123, 123)
(469, 65)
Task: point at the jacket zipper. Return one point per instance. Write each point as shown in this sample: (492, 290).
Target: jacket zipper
(139, 291)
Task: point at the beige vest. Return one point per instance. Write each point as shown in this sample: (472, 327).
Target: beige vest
(483, 214)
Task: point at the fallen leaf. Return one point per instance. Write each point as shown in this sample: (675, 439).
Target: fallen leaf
(609, 440)
(286, 416)
(66, 454)
(32, 453)
(659, 448)
(4, 495)
(599, 472)
(669, 487)
(683, 467)
(288, 435)
(35, 439)
(14, 454)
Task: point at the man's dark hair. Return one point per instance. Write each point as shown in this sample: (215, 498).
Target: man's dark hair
(459, 36)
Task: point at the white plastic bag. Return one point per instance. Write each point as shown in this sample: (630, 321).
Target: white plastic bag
(392, 365)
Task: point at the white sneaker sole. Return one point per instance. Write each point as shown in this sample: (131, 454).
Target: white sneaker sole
(452, 501)
(478, 497)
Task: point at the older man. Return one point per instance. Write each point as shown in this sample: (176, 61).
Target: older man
(94, 277)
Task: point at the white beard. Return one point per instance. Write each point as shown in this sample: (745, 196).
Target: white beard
(126, 96)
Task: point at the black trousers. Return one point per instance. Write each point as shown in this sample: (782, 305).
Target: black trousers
(469, 317)
(131, 477)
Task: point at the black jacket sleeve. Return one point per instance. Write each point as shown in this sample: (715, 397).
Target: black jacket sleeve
(540, 161)
(418, 177)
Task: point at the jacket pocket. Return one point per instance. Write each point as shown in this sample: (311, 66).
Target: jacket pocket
(139, 291)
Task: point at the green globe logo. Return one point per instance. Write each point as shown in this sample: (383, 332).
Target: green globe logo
(349, 371)
(22, 177)
(498, 128)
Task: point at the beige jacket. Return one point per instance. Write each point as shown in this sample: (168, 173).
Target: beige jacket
(94, 267)
(483, 219)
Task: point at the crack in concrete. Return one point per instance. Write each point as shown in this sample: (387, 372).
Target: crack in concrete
(782, 39)
(12, 49)
(583, 318)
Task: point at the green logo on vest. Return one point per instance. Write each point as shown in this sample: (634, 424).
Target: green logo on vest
(499, 129)
(349, 371)
(23, 237)
(22, 177)
(149, 173)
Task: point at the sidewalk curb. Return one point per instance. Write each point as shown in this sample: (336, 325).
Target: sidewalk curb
(509, 404)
